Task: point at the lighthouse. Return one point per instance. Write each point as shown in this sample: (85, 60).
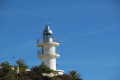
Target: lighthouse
(48, 52)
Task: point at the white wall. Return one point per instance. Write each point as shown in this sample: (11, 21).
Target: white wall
(49, 49)
(50, 62)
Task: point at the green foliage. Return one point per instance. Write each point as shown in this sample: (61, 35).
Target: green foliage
(45, 69)
(22, 65)
(74, 75)
(6, 64)
(10, 76)
(23, 76)
(48, 78)
(13, 75)
(36, 73)
(37, 70)
(5, 69)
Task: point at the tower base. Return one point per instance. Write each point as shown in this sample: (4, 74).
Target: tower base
(59, 72)
(54, 73)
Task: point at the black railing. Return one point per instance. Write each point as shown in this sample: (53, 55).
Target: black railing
(41, 40)
(40, 53)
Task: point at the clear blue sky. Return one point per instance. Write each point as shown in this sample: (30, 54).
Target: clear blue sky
(89, 32)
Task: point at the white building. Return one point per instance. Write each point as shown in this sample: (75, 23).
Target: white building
(48, 52)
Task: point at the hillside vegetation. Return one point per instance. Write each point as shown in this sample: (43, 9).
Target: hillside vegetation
(9, 72)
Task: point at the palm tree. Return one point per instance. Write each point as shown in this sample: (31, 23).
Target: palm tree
(75, 75)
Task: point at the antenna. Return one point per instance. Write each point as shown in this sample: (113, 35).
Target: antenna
(47, 23)
(38, 28)
(14, 60)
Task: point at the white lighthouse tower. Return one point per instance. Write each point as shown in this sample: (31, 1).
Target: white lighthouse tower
(48, 52)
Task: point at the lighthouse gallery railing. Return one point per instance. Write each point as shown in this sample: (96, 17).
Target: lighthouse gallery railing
(40, 53)
(40, 40)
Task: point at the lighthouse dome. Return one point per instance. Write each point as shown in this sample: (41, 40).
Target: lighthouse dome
(47, 31)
